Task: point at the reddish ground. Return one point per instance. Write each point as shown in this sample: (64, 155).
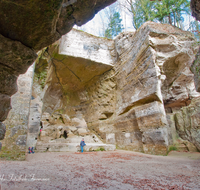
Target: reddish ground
(102, 170)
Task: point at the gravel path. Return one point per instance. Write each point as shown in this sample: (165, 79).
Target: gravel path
(101, 170)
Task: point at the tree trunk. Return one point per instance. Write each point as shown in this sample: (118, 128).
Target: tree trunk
(170, 19)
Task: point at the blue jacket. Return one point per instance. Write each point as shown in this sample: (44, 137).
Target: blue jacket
(82, 143)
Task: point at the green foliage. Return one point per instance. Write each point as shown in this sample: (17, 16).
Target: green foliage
(142, 11)
(173, 148)
(115, 26)
(15, 153)
(171, 11)
(41, 78)
(100, 149)
(165, 11)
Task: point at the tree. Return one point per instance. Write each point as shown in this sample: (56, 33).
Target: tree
(141, 10)
(171, 11)
(194, 27)
(114, 26)
(165, 11)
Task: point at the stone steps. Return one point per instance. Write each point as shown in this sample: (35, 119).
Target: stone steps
(72, 147)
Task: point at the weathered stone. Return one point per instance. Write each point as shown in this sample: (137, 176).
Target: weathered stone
(14, 130)
(123, 103)
(39, 26)
(28, 28)
(21, 140)
(80, 44)
(82, 131)
(17, 119)
(20, 37)
(4, 106)
(79, 122)
(188, 122)
(2, 131)
(7, 81)
(123, 106)
(196, 70)
(15, 56)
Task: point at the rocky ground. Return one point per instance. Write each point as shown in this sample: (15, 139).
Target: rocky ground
(102, 170)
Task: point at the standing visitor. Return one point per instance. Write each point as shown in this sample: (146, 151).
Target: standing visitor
(82, 144)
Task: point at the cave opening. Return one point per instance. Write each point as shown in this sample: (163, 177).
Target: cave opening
(65, 134)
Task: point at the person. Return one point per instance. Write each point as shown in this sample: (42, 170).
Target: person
(40, 130)
(82, 144)
(30, 149)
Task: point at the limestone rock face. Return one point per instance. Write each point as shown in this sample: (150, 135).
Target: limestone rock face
(174, 56)
(187, 122)
(76, 61)
(195, 68)
(125, 92)
(15, 58)
(4, 106)
(38, 24)
(82, 45)
(142, 74)
(28, 26)
(2, 131)
(59, 134)
(16, 123)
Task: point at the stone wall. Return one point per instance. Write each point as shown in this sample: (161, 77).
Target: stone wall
(14, 144)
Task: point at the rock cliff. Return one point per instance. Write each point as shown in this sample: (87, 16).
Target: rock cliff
(188, 122)
(195, 7)
(28, 26)
(131, 91)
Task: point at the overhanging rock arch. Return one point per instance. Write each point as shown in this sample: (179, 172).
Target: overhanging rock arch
(35, 25)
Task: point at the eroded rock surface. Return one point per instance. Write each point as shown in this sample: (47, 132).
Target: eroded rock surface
(28, 26)
(15, 58)
(14, 144)
(2, 131)
(37, 24)
(123, 92)
(187, 122)
(195, 68)
(126, 104)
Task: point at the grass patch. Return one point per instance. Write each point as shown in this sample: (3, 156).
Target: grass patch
(12, 154)
(100, 149)
(172, 148)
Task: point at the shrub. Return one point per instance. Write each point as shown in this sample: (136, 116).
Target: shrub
(172, 148)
